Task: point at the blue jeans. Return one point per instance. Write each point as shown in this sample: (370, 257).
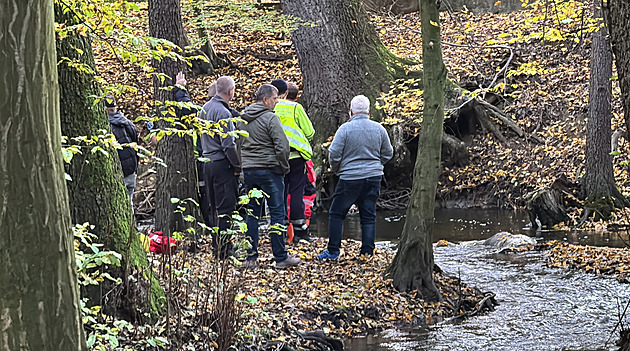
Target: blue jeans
(273, 185)
(364, 193)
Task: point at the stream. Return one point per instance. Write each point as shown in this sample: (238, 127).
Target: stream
(540, 308)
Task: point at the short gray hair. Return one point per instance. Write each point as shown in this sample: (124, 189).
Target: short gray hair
(360, 104)
(224, 84)
(265, 91)
(212, 90)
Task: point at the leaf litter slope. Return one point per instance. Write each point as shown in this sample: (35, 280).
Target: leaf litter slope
(347, 297)
(545, 89)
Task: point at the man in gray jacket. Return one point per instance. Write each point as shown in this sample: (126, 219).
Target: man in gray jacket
(357, 154)
(222, 168)
(265, 158)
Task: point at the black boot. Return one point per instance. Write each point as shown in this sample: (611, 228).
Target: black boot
(301, 234)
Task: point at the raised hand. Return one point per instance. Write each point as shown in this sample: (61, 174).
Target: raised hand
(180, 79)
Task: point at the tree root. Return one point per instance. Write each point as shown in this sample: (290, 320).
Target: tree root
(483, 110)
(496, 112)
(488, 303)
(393, 199)
(321, 338)
(486, 124)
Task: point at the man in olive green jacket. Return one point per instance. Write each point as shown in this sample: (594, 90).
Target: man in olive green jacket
(265, 161)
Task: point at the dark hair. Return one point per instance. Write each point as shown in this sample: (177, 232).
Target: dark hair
(293, 91)
(110, 101)
(265, 91)
(280, 84)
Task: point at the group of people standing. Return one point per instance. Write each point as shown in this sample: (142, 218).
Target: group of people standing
(273, 159)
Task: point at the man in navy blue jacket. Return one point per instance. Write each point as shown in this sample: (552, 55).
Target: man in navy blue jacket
(125, 132)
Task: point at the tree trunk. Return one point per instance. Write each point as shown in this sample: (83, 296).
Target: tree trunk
(39, 298)
(97, 193)
(397, 7)
(207, 49)
(599, 182)
(340, 56)
(624, 340)
(179, 178)
(618, 15)
(412, 267)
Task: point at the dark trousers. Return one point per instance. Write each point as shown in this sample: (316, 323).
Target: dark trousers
(222, 190)
(363, 193)
(209, 214)
(273, 186)
(294, 183)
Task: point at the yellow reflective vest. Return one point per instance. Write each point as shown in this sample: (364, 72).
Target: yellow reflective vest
(297, 127)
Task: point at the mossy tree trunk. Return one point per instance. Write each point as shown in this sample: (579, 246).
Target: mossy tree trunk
(412, 267)
(39, 297)
(179, 178)
(598, 183)
(341, 56)
(96, 190)
(618, 16)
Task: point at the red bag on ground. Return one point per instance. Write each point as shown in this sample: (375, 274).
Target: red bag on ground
(163, 244)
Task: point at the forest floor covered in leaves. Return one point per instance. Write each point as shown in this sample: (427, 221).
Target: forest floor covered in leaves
(345, 298)
(544, 89)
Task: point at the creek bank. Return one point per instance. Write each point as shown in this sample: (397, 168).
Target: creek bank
(307, 307)
(606, 261)
(350, 297)
(540, 307)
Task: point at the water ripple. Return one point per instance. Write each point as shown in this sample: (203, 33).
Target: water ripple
(541, 308)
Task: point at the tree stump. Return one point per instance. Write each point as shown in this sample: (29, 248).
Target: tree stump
(454, 151)
(547, 205)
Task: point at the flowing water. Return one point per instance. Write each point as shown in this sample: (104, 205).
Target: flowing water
(540, 308)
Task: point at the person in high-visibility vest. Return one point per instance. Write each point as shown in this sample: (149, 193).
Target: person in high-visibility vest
(299, 132)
